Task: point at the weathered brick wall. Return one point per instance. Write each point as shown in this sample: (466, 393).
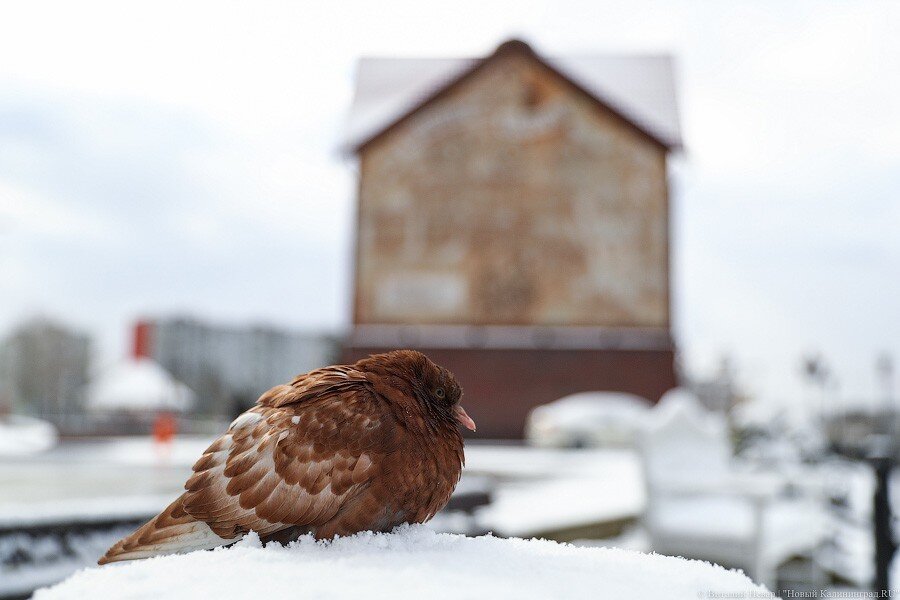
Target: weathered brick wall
(513, 200)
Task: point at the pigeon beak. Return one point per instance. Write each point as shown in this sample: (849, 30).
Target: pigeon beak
(465, 420)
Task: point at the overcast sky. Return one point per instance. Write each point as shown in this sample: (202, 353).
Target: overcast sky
(166, 158)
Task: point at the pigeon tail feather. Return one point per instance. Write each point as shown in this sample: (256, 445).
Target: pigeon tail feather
(172, 531)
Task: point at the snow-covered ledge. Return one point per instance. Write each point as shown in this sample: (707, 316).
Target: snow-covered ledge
(412, 562)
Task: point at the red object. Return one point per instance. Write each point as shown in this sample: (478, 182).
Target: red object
(142, 340)
(164, 428)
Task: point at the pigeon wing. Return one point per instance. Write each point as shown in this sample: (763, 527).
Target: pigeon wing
(298, 459)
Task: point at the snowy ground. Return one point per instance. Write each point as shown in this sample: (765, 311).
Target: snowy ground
(542, 491)
(82, 472)
(412, 562)
(534, 491)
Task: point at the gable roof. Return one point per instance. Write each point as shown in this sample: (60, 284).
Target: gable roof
(638, 89)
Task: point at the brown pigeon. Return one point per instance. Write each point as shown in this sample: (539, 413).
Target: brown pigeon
(339, 450)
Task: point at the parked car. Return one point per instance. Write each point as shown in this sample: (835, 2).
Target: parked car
(587, 419)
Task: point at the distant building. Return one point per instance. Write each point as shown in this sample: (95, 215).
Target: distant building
(43, 369)
(513, 223)
(229, 367)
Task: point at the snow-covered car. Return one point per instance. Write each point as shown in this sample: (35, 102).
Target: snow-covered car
(587, 419)
(21, 435)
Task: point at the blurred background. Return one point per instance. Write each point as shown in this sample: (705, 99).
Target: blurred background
(657, 243)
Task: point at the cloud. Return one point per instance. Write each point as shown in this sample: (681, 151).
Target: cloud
(114, 211)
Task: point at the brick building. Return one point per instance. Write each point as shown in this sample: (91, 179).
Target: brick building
(513, 223)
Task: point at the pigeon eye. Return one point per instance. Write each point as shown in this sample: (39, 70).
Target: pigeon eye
(439, 392)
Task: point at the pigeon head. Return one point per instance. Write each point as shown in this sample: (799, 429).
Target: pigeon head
(433, 387)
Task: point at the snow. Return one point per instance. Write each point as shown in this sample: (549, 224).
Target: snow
(684, 444)
(641, 87)
(586, 405)
(593, 418)
(539, 489)
(703, 503)
(789, 526)
(565, 490)
(82, 510)
(633, 538)
(184, 450)
(22, 436)
(138, 384)
(410, 562)
(512, 462)
(95, 481)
